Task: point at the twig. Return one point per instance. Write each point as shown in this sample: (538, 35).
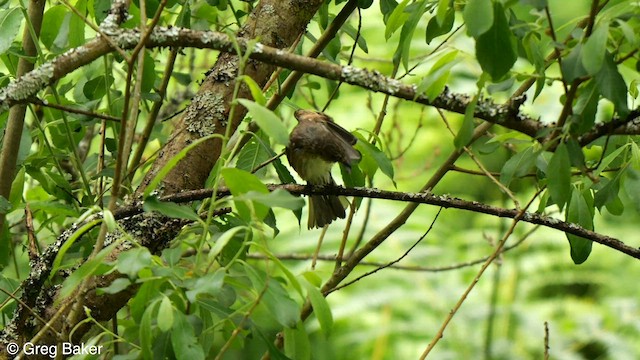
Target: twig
(391, 263)
(473, 283)
(546, 340)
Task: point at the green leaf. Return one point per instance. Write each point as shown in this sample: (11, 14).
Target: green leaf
(296, 343)
(403, 51)
(320, 308)
(277, 198)
(116, 286)
(352, 32)
(293, 281)
(184, 17)
(585, 108)
(373, 159)
(183, 339)
(275, 298)
(435, 28)
(604, 164)
(635, 156)
(5, 205)
(612, 86)
(223, 240)
(132, 261)
(628, 32)
(67, 245)
(518, 165)
(495, 48)
(256, 90)
(76, 25)
(364, 4)
(572, 67)
(608, 191)
(466, 131)
(165, 315)
(146, 332)
(90, 267)
(254, 153)
(478, 17)
(578, 212)
(397, 18)
(532, 47)
(442, 11)
(434, 83)
(268, 121)
(274, 352)
(149, 75)
(595, 48)
(10, 21)
(169, 209)
(559, 176)
(109, 220)
(241, 182)
(387, 6)
(210, 284)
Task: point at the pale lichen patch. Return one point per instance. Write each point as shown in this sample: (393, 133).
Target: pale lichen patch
(205, 111)
(373, 80)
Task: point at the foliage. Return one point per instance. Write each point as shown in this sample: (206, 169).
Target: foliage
(229, 283)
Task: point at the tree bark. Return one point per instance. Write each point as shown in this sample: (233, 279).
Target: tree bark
(276, 23)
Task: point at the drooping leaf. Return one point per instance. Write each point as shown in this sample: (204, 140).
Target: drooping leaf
(578, 212)
(434, 83)
(495, 48)
(275, 297)
(320, 308)
(463, 137)
(572, 67)
(165, 314)
(373, 158)
(403, 50)
(612, 86)
(183, 339)
(518, 165)
(585, 108)
(10, 21)
(478, 16)
(297, 345)
(559, 176)
(396, 19)
(595, 48)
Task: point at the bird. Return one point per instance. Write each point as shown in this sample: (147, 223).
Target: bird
(315, 144)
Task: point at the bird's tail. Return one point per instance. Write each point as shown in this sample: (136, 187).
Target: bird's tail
(323, 209)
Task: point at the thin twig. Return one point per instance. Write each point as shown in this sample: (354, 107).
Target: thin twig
(546, 340)
(475, 281)
(391, 263)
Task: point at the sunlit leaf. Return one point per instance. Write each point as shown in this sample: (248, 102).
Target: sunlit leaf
(269, 122)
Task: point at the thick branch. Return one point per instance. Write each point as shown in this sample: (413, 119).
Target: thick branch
(420, 198)
(505, 115)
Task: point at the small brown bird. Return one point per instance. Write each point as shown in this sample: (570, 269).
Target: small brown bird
(315, 144)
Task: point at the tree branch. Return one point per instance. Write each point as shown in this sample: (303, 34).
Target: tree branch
(22, 89)
(420, 198)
